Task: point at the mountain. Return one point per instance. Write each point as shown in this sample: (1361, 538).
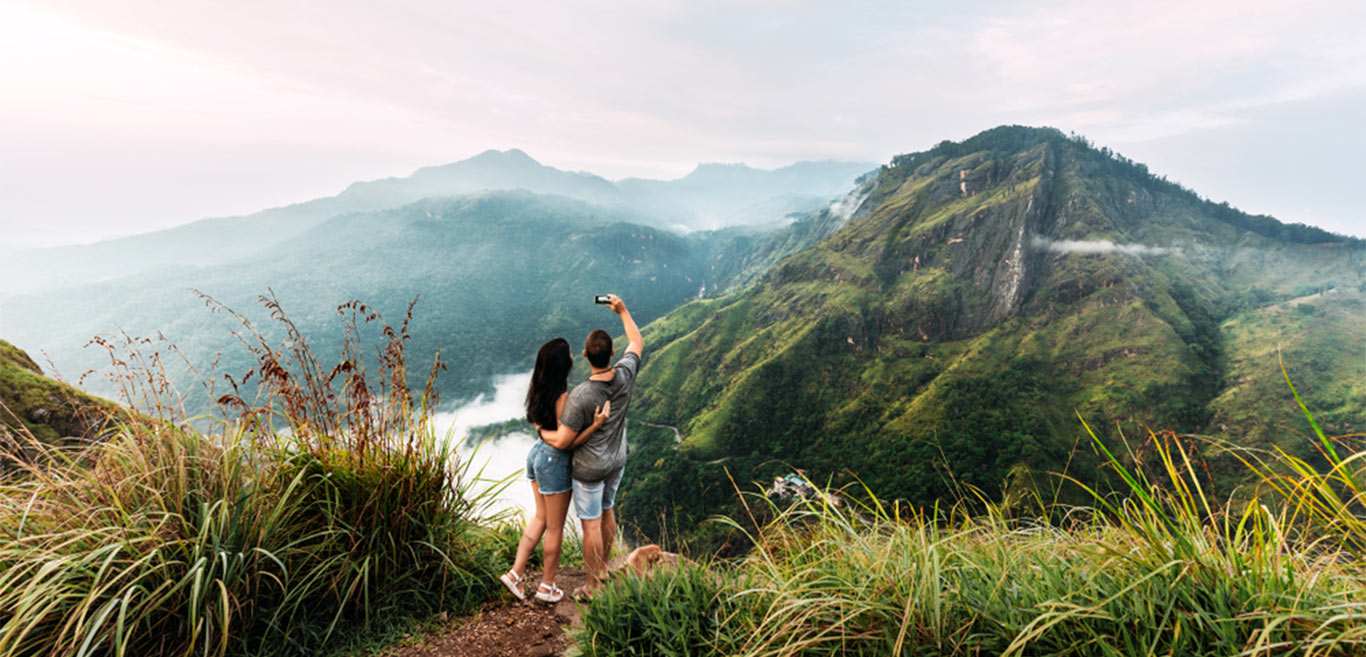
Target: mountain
(696, 201)
(983, 295)
(490, 170)
(314, 253)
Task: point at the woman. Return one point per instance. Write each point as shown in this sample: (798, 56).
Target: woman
(548, 468)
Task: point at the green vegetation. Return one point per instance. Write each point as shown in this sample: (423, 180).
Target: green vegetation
(326, 510)
(1321, 348)
(46, 410)
(946, 336)
(496, 430)
(498, 274)
(684, 612)
(1161, 568)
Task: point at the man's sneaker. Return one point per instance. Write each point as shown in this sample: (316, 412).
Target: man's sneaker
(549, 593)
(514, 584)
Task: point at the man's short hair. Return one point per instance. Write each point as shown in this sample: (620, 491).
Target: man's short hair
(598, 348)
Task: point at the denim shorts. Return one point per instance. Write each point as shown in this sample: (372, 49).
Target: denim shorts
(591, 498)
(550, 468)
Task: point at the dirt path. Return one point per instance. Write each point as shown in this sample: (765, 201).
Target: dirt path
(503, 628)
(506, 627)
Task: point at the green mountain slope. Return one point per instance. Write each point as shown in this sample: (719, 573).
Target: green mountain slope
(986, 291)
(32, 404)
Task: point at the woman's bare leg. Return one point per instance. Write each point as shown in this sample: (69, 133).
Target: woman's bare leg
(532, 534)
(557, 507)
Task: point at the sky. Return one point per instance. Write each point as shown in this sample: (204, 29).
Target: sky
(124, 117)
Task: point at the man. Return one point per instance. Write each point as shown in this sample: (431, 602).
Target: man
(598, 463)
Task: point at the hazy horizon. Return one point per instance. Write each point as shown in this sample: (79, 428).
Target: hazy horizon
(341, 186)
(129, 118)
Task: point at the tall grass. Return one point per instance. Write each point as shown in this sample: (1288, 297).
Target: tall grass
(683, 613)
(1157, 569)
(324, 503)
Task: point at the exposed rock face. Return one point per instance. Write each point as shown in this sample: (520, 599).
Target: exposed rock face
(919, 225)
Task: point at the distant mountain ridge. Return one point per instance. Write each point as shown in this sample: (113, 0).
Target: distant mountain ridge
(490, 170)
(716, 195)
(686, 204)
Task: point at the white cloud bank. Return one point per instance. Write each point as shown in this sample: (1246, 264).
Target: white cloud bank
(498, 459)
(1099, 247)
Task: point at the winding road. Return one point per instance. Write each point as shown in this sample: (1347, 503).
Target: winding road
(678, 437)
(678, 440)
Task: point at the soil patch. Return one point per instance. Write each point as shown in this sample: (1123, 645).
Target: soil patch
(504, 628)
(509, 628)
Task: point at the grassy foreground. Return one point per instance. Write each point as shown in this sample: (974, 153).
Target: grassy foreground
(1160, 570)
(326, 508)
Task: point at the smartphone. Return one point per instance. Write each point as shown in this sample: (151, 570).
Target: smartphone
(602, 299)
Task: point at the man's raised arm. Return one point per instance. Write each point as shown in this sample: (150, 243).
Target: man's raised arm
(635, 343)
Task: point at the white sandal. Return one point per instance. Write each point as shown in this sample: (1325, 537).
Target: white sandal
(550, 594)
(511, 580)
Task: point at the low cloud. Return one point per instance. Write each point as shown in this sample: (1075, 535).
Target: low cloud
(845, 207)
(1099, 246)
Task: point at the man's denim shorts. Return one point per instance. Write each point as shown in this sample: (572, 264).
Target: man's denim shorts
(550, 468)
(591, 498)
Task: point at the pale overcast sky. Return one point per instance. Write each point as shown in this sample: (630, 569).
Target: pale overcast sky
(122, 117)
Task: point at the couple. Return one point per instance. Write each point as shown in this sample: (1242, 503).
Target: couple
(582, 449)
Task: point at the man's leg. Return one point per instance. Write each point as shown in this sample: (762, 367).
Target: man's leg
(588, 501)
(609, 534)
(592, 552)
(609, 516)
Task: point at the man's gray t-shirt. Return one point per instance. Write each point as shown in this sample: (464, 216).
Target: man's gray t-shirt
(605, 451)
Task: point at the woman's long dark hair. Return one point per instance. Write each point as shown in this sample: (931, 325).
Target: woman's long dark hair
(548, 380)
